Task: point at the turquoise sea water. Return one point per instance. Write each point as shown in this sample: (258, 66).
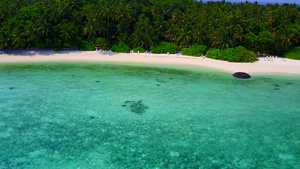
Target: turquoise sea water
(92, 115)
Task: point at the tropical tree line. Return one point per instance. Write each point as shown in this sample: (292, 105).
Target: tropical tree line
(271, 29)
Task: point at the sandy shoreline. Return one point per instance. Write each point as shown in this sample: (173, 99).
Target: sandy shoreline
(263, 66)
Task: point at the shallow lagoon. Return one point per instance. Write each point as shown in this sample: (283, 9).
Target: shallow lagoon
(92, 115)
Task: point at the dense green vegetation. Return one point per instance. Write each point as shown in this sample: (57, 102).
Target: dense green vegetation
(237, 54)
(164, 47)
(139, 49)
(120, 47)
(195, 50)
(295, 54)
(102, 43)
(271, 29)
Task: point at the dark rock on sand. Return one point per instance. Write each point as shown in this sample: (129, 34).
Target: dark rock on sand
(267, 80)
(160, 81)
(136, 106)
(241, 75)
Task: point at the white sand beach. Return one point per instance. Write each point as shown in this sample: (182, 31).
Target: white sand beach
(263, 66)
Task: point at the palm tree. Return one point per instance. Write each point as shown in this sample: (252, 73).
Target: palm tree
(123, 14)
(18, 39)
(159, 25)
(4, 40)
(92, 27)
(43, 27)
(143, 34)
(108, 14)
(76, 17)
(65, 31)
(184, 36)
(123, 17)
(220, 39)
(30, 31)
(237, 36)
(198, 33)
(287, 36)
(177, 16)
